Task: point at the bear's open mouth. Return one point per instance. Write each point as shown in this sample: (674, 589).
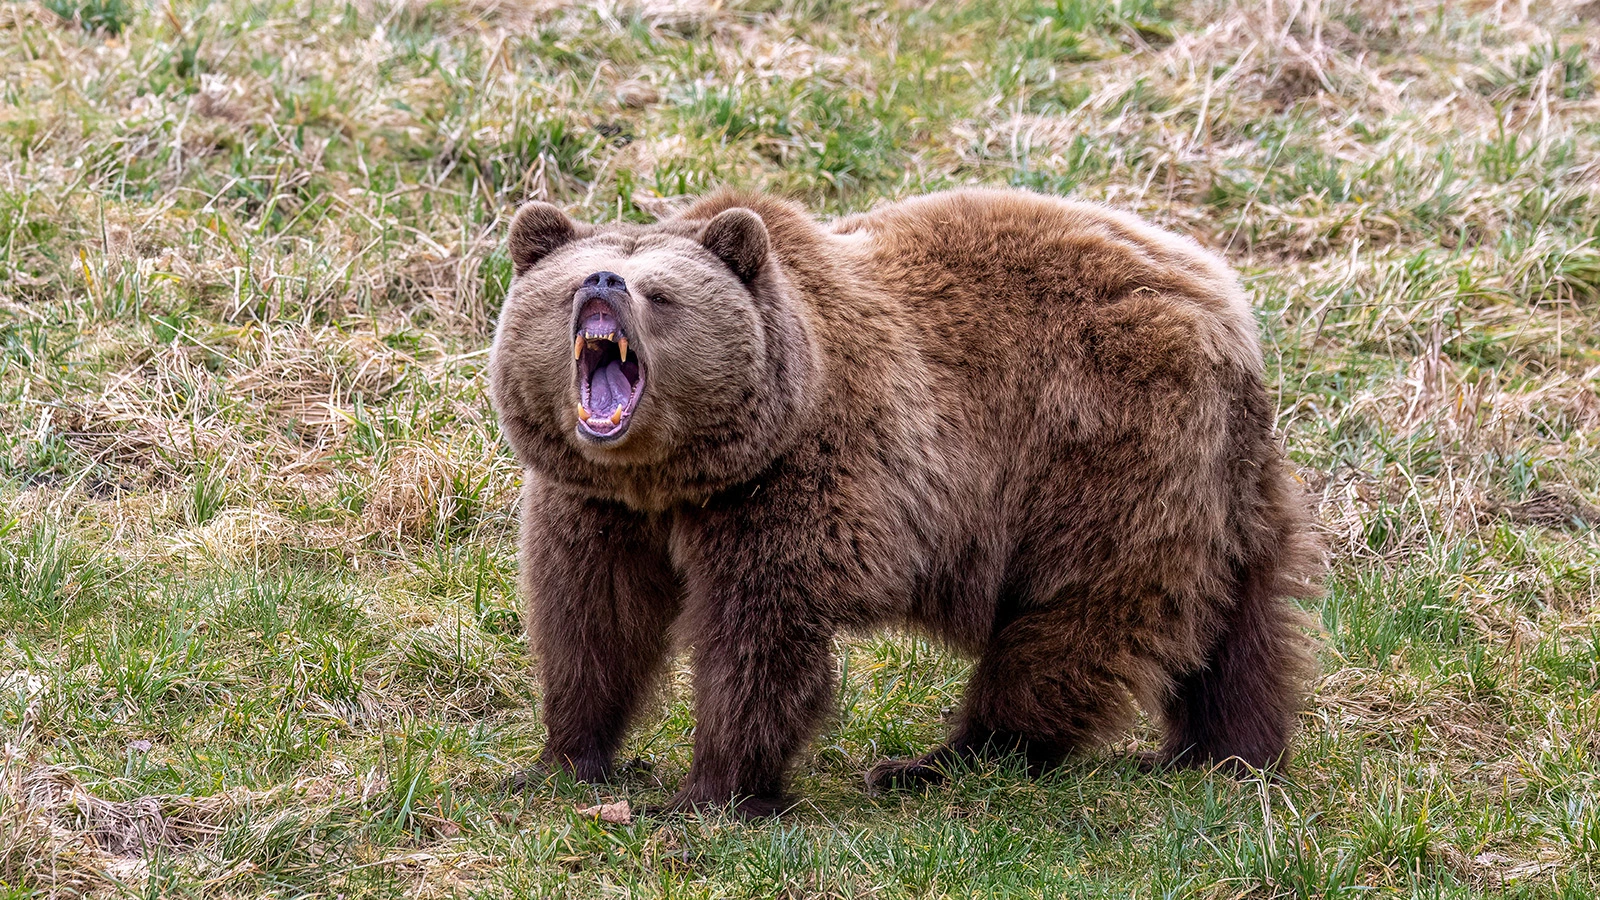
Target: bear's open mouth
(610, 373)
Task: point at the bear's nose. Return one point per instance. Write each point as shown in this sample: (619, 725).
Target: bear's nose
(606, 280)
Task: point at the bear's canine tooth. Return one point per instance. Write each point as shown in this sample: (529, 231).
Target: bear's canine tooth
(577, 346)
(616, 415)
(622, 345)
(583, 414)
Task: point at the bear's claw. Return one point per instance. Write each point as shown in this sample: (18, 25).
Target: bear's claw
(904, 774)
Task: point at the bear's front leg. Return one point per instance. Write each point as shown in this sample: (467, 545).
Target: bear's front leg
(600, 594)
(763, 669)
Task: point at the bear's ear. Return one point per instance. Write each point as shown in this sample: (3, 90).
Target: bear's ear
(739, 238)
(537, 229)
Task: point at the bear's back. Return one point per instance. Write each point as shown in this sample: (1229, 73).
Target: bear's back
(988, 269)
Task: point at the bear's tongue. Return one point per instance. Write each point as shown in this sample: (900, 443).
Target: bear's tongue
(608, 389)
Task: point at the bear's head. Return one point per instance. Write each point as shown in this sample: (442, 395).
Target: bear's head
(648, 364)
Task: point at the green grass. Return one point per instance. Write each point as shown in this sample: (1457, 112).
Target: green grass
(257, 565)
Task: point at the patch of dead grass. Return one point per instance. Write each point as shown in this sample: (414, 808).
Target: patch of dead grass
(427, 488)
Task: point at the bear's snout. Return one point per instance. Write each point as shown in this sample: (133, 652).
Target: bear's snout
(608, 281)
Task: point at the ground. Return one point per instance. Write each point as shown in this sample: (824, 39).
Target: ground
(257, 626)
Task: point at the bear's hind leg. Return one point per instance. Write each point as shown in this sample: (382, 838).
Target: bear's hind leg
(1240, 706)
(1035, 693)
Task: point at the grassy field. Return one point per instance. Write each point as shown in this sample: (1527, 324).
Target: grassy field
(257, 627)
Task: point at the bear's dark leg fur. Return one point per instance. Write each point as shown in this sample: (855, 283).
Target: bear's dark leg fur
(1240, 706)
(763, 679)
(762, 639)
(759, 697)
(601, 595)
(1035, 693)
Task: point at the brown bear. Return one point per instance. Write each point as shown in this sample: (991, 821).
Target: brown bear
(1034, 429)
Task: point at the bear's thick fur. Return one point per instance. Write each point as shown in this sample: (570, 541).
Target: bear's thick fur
(1034, 429)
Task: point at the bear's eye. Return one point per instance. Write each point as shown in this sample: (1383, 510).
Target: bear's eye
(660, 299)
